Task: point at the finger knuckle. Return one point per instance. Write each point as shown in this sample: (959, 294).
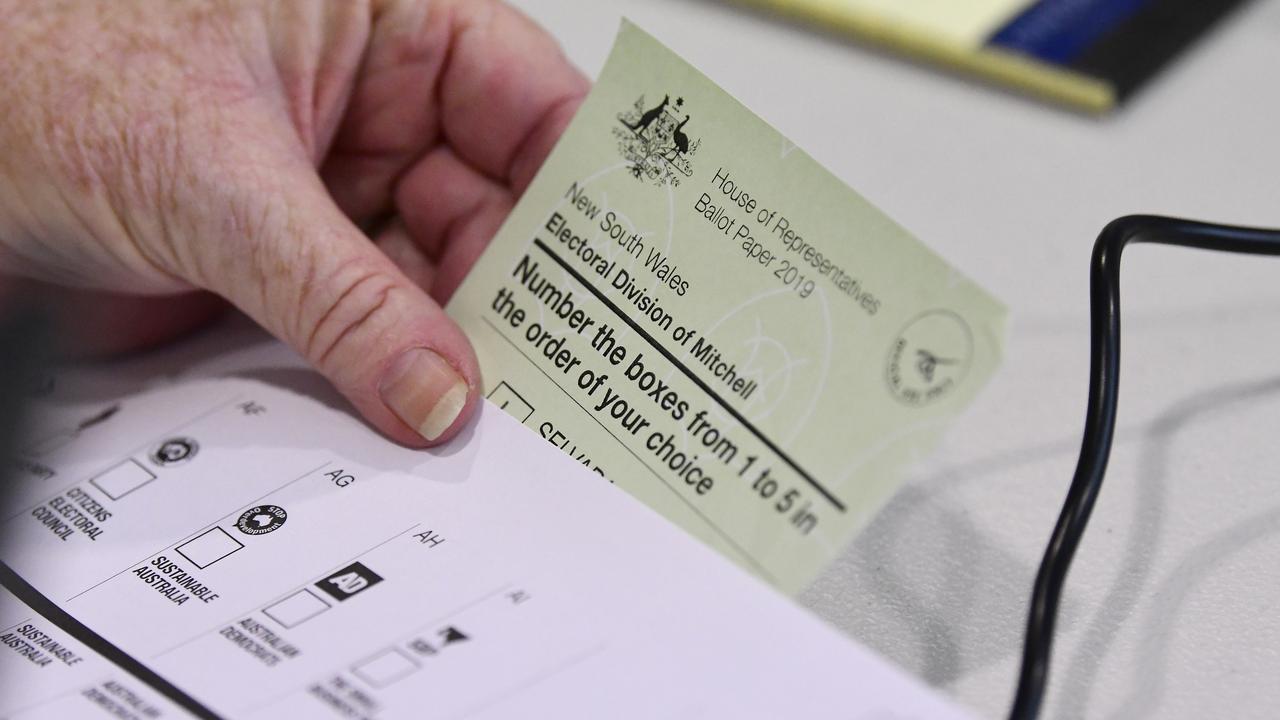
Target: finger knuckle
(344, 311)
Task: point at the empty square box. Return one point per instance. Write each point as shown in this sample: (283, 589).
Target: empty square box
(511, 401)
(385, 668)
(208, 547)
(296, 609)
(122, 479)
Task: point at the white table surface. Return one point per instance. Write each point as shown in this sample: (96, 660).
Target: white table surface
(1171, 608)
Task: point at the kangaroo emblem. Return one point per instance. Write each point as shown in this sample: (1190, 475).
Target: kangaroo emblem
(653, 141)
(647, 119)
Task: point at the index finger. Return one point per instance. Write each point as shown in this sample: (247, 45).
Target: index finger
(507, 92)
(474, 74)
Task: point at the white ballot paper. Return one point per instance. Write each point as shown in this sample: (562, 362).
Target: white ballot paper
(236, 531)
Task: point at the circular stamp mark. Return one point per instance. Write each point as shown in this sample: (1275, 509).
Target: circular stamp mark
(174, 451)
(261, 520)
(929, 358)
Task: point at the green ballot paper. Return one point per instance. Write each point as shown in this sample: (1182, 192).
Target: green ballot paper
(696, 310)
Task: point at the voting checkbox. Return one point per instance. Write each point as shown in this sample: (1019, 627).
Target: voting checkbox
(510, 401)
(122, 479)
(385, 668)
(296, 609)
(208, 547)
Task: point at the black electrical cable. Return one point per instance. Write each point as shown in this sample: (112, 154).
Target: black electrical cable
(1100, 419)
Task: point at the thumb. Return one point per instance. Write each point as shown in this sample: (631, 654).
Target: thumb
(309, 276)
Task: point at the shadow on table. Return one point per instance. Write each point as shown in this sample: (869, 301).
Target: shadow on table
(923, 570)
(924, 585)
(1147, 531)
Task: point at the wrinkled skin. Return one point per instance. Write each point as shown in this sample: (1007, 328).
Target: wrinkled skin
(160, 158)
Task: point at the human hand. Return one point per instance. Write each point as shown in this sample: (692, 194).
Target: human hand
(155, 153)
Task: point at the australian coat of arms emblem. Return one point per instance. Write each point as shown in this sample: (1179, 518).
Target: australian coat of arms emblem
(654, 141)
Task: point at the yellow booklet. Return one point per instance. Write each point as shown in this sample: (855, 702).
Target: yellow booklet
(1089, 54)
